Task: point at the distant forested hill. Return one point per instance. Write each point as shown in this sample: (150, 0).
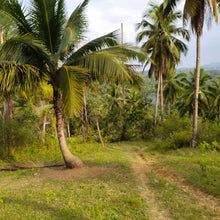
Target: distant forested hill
(212, 68)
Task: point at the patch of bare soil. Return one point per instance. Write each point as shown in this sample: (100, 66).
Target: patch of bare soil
(54, 173)
(61, 173)
(204, 199)
(140, 168)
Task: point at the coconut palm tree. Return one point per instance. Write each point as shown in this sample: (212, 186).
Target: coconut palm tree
(213, 111)
(19, 76)
(195, 12)
(185, 102)
(160, 40)
(172, 88)
(45, 39)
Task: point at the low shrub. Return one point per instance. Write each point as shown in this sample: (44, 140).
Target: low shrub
(175, 133)
(176, 140)
(209, 132)
(172, 125)
(204, 146)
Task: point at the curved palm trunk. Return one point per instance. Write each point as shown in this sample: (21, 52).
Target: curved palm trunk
(196, 93)
(68, 127)
(161, 98)
(70, 160)
(156, 108)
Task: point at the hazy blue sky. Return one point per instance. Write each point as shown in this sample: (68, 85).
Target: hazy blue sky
(107, 15)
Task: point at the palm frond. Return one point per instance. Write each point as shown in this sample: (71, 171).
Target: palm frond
(16, 11)
(48, 18)
(13, 47)
(71, 81)
(8, 23)
(97, 44)
(169, 5)
(106, 66)
(144, 34)
(46, 91)
(128, 53)
(73, 32)
(17, 77)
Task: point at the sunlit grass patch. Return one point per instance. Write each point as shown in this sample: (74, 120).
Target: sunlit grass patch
(180, 204)
(112, 194)
(200, 169)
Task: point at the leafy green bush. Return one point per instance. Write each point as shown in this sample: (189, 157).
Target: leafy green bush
(176, 140)
(209, 132)
(180, 139)
(172, 125)
(204, 146)
(175, 133)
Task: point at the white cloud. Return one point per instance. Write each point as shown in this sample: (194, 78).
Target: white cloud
(105, 16)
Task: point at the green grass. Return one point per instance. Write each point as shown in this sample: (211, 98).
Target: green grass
(200, 169)
(113, 194)
(180, 204)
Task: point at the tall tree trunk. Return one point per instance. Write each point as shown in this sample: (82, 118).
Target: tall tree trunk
(7, 113)
(161, 98)
(7, 121)
(70, 160)
(123, 85)
(123, 93)
(68, 127)
(86, 114)
(82, 127)
(97, 124)
(196, 93)
(44, 126)
(156, 108)
(1, 36)
(124, 127)
(123, 136)
(169, 108)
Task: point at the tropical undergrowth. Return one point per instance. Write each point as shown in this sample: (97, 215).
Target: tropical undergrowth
(176, 133)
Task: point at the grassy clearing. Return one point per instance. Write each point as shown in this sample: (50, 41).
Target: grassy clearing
(200, 169)
(109, 189)
(91, 153)
(114, 194)
(180, 204)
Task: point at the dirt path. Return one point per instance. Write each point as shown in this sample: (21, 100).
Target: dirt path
(140, 168)
(204, 199)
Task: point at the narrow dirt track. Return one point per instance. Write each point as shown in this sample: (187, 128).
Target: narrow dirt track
(140, 168)
(203, 198)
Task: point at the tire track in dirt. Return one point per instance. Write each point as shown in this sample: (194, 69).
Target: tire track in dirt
(204, 199)
(140, 167)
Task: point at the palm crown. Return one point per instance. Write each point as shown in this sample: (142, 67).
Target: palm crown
(163, 43)
(44, 39)
(51, 43)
